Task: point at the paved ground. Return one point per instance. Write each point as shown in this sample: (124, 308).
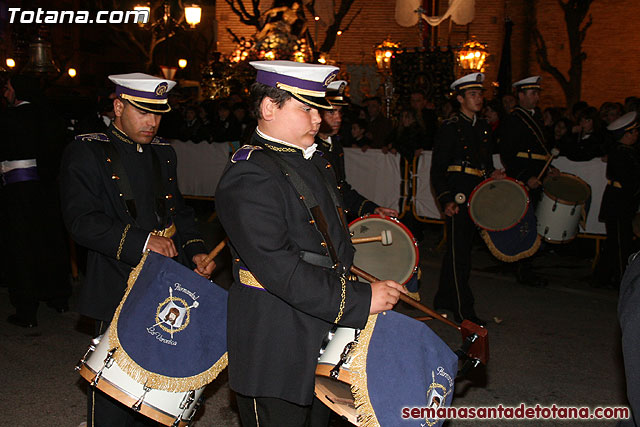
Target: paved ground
(556, 345)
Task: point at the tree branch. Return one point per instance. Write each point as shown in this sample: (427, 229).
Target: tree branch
(543, 59)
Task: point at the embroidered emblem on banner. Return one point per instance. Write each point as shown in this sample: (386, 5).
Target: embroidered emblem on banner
(437, 393)
(173, 314)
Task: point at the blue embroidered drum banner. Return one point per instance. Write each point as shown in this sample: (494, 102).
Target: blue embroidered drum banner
(401, 364)
(170, 326)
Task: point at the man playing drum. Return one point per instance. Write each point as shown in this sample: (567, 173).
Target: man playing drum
(120, 198)
(461, 160)
(280, 207)
(524, 150)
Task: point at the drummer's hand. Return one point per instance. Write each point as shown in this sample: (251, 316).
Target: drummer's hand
(384, 295)
(162, 245)
(498, 174)
(553, 171)
(533, 183)
(451, 209)
(202, 269)
(386, 211)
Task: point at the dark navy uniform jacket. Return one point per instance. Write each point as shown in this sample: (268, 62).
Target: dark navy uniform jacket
(98, 218)
(275, 329)
(465, 143)
(623, 168)
(523, 145)
(354, 203)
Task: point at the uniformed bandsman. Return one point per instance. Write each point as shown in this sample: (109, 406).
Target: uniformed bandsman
(332, 150)
(462, 158)
(120, 198)
(279, 204)
(620, 200)
(524, 151)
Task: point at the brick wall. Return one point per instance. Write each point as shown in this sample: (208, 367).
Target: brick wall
(611, 71)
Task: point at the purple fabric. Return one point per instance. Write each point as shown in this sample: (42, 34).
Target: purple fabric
(272, 79)
(20, 175)
(141, 94)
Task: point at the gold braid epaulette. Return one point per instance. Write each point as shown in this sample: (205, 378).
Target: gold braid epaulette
(343, 282)
(124, 236)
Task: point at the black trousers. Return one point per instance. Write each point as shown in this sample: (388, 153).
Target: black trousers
(617, 249)
(271, 412)
(38, 259)
(454, 292)
(104, 411)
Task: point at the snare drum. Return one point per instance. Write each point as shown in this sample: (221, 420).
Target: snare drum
(100, 369)
(498, 204)
(561, 209)
(397, 261)
(333, 379)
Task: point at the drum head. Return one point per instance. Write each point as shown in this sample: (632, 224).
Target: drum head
(498, 204)
(397, 261)
(567, 189)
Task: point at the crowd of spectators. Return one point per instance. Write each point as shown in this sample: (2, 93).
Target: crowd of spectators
(578, 132)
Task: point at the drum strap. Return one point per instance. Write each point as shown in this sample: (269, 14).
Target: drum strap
(124, 185)
(533, 125)
(309, 200)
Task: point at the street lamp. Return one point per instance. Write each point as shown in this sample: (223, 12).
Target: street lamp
(384, 52)
(192, 15)
(472, 56)
(182, 63)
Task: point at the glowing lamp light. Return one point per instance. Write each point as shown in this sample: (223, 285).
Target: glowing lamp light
(339, 32)
(72, 72)
(146, 8)
(10, 62)
(192, 14)
(270, 55)
(317, 18)
(182, 63)
(384, 52)
(472, 56)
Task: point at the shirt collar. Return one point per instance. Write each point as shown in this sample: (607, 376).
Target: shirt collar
(472, 120)
(306, 153)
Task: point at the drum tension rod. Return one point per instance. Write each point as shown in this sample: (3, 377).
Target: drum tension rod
(462, 354)
(136, 406)
(108, 362)
(335, 371)
(91, 349)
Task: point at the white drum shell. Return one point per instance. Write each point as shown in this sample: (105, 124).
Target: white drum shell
(561, 209)
(165, 403)
(557, 222)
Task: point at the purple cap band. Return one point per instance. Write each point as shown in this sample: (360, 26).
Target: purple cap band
(272, 79)
(140, 94)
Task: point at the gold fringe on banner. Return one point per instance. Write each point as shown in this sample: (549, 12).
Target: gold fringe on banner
(359, 389)
(510, 258)
(151, 379)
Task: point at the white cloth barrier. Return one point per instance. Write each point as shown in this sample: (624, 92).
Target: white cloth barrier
(373, 174)
(200, 166)
(377, 176)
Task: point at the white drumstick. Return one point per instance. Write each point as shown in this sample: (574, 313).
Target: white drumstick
(554, 153)
(385, 238)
